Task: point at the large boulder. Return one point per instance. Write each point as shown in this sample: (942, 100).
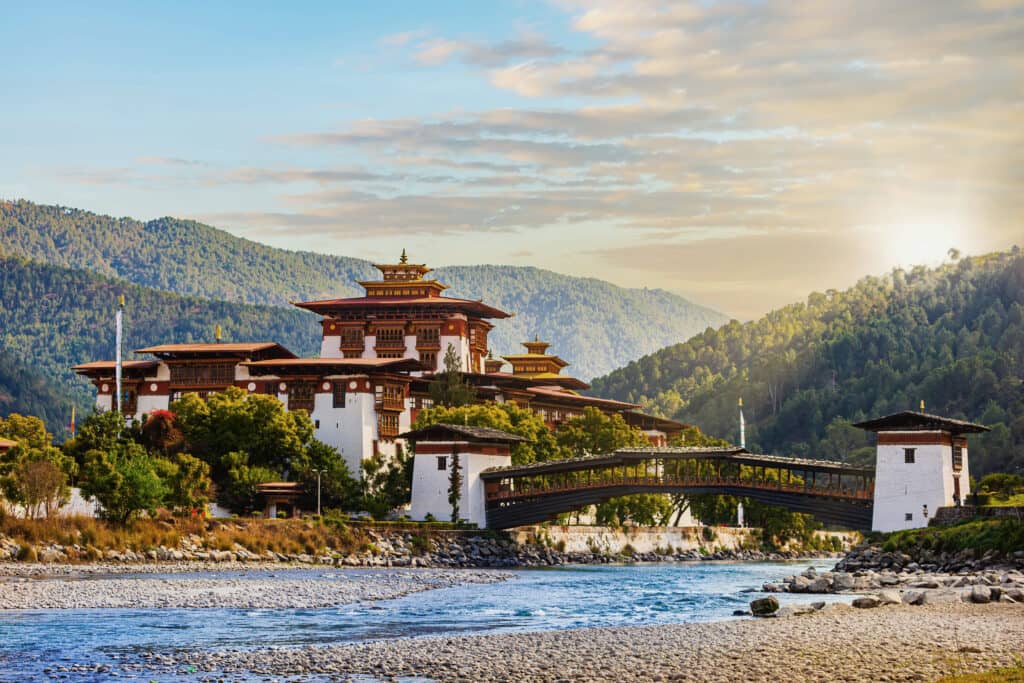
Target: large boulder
(801, 584)
(890, 597)
(940, 597)
(842, 581)
(867, 602)
(764, 607)
(981, 594)
(913, 598)
(820, 585)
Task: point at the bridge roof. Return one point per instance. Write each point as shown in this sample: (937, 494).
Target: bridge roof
(729, 453)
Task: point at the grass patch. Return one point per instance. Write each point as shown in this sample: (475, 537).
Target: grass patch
(1003, 535)
(1012, 675)
(94, 536)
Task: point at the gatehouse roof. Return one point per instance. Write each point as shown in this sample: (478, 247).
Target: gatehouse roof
(453, 432)
(911, 420)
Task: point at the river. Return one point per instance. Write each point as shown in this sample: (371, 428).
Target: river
(34, 644)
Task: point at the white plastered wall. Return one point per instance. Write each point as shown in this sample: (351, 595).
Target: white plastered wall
(430, 485)
(330, 347)
(350, 429)
(903, 488)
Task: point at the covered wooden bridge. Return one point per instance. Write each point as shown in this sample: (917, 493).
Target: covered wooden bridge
(835, 493)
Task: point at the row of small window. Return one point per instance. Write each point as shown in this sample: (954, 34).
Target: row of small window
(394, 335)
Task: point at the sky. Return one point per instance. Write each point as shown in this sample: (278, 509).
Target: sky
(741, 154)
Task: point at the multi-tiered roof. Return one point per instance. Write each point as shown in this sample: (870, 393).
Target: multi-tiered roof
(401, 291)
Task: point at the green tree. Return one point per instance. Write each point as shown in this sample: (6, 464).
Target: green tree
(124, 481)
(237, 490)
(100, 431)
(449, 388)
(595, 433)
(34, 474)
(386, 482)
(1001, 484)
(250, 439)
(187, 480)
(455, 487)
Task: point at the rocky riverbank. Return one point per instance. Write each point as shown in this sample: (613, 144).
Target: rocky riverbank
(381, 548)
(930, 578)
(836, 644)
(282, 589)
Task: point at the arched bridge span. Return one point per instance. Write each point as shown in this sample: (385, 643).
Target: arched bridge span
(835, 493)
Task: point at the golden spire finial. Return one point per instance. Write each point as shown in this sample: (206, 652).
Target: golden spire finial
(404, 259)
(922, 405)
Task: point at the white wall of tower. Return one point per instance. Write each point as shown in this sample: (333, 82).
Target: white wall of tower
(903, 489)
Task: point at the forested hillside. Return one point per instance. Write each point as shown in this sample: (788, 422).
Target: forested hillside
(593, 324)
(52, 318)
(26, 391)
(953, 337)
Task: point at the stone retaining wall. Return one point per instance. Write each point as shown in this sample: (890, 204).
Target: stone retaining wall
(952, 515)
(609, 541)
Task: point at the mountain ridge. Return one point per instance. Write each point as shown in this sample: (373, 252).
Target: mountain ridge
(597, 326)
(952, 336)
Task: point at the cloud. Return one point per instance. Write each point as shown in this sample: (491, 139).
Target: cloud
(747, 150)
(437, 51)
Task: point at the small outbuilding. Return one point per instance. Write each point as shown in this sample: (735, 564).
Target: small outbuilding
(920, 465)
(280, 496)
(439, 450)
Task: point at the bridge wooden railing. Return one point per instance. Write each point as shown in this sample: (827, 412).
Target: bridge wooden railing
(532, 488)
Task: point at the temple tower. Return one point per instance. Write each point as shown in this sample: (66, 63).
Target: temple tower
(920, 465)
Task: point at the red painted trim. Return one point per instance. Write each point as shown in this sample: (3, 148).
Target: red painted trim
(905, 439)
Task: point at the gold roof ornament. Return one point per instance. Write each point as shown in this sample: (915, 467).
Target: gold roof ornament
(403, 259)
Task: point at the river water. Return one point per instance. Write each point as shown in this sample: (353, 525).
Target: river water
(34, 644)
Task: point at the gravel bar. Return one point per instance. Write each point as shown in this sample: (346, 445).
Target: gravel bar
(839, 643)
(262, 590)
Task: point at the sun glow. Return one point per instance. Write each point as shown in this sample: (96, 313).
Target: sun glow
(921, 243)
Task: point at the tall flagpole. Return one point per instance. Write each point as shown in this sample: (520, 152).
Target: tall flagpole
(743, 428)
(119, 323)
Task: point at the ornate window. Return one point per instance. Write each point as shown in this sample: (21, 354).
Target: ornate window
(442, 462)
(909, 455)
(301, 396)
(391, 337)
(351, 337)
(203, 374)
(387, 425)
(339, 394)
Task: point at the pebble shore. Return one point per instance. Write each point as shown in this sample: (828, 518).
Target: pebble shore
(256, 590)
(838, 643)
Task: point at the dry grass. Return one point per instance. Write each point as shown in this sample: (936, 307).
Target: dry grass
(287, 537)
(1011, 675)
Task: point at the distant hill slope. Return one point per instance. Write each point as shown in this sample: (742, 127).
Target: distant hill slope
(26, 391)
(593, 324)
(953, 336)
(52, 318)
